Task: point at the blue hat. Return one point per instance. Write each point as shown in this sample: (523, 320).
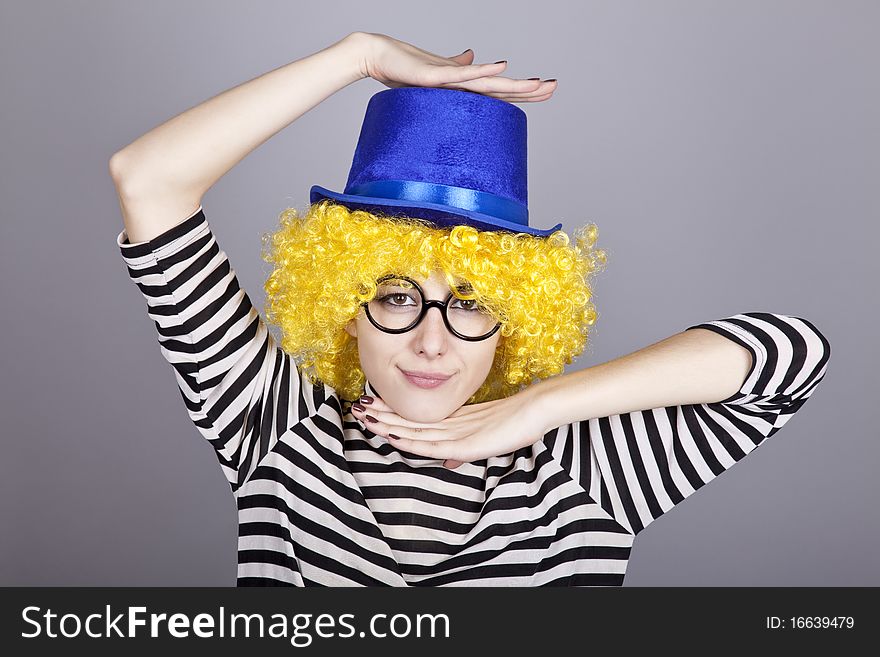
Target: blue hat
(445, 155)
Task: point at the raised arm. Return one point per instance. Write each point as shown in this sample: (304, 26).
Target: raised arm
(240, 389)
(162, 175)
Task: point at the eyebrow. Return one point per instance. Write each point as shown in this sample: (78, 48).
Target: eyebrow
(464, 287)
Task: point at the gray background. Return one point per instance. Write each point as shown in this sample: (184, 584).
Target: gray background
(728, 152)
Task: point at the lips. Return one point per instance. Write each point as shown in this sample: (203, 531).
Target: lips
(424, 382)
(433, 376)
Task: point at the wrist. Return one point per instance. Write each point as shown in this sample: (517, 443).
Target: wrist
(550, 399)
(356, 48)
(543, 404)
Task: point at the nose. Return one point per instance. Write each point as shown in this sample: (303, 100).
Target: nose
(435, 320)
(432, 334)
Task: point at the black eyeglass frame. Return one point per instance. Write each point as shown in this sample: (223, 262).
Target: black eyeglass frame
(426, 306)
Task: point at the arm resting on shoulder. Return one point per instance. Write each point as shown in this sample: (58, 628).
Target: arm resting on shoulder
(692, 367)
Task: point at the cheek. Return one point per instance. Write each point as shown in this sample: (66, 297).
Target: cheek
(376, 351)
(482, 361)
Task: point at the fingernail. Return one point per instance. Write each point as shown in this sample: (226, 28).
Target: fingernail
(391, 435)
(370, 418)
(358, 407)
(550, 80)
(366, 399)
(501, 61)
(534, 78)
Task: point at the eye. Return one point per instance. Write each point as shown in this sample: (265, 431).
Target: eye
(395, 299)
(467, 304)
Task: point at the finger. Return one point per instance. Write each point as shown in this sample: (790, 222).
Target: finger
(543, 87)
(372, 403)
(383, 424)
(440, 59)
(378, 405)
(369, 402)
(415, 434)
(451, 464)
(390, 418)
(498, 85)
(528, 87)
(441, 75)
(421, 436)
(436, 449)
(520, 99)
(465, 58)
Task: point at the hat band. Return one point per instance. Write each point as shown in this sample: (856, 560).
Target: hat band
(457, 197)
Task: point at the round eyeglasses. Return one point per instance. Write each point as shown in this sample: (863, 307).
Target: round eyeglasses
(399, 305)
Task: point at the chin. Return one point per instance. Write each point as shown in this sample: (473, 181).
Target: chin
(430, 411)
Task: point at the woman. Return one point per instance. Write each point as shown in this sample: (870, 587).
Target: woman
(544, 483)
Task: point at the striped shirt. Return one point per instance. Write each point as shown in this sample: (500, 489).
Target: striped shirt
(323, 501)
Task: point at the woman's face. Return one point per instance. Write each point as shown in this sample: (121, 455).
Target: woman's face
(429, 347)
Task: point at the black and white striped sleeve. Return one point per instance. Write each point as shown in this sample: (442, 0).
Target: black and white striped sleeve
(240, 389)
(639, 465)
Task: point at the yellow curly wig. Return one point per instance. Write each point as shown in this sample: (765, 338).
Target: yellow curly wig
(327, 261)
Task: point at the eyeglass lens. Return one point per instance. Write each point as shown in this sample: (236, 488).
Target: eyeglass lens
(398, 304)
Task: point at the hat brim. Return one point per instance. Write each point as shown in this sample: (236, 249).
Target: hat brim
(442, 215)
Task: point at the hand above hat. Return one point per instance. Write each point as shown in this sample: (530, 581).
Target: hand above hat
(396, 63)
